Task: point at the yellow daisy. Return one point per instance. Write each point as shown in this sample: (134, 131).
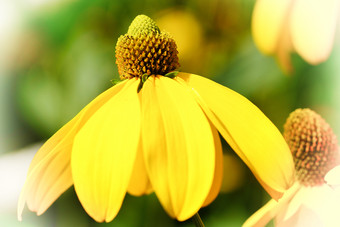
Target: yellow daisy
(305, 26)
(310, 201)
(156, 131)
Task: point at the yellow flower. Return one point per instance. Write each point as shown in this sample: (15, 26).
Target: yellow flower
(155, 131)
(307, 27)
(309, 202)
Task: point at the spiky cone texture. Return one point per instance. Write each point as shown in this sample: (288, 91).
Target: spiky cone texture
(156, 131)
(145, 50)
(309, 202)
(313, 144)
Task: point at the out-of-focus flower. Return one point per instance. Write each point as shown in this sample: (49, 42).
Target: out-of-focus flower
(187, 31)
(233, 173)
(310, 201)
(307, 27)
(155, 131)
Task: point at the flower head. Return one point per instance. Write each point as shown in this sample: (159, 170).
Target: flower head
(307, 27)
(156, 131)
(309, 202)
(313, 145)
(145, 50)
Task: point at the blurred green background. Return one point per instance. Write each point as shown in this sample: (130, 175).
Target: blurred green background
(57, 55)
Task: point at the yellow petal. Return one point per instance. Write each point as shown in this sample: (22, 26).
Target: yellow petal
(139, 183)
(154, 145)
(272, 208)
(218, 177)
(313, 26)
(248, 131)
(268, 21)
(49, 174)
(178, 146)
(104, 152)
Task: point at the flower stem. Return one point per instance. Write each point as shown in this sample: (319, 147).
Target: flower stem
(197, 220)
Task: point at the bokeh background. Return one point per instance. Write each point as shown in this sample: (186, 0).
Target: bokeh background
(57, 55)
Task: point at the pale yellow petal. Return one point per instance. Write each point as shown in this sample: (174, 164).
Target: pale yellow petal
(49, 174)
(247, 130)
(271, 209)
(284, 48)
(104, 152)
(313, 26)
(268, 21)
(294, 201)
(139, 183)
(178, 146)
(333, 176)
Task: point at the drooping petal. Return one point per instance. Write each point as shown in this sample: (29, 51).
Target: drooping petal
(139, 183)
(294, 204)
(248, 131)
(178, 146)
(311, 206)
(49, 174)
(333, 177)
(284, 48)
(271, 209)
(268, 21)
(313, 26)
(302, 217)
(218, 177)
(104, 152)
(154, 145)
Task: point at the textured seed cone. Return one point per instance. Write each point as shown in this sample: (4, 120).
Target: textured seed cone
(313, 145)
(145, 50)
